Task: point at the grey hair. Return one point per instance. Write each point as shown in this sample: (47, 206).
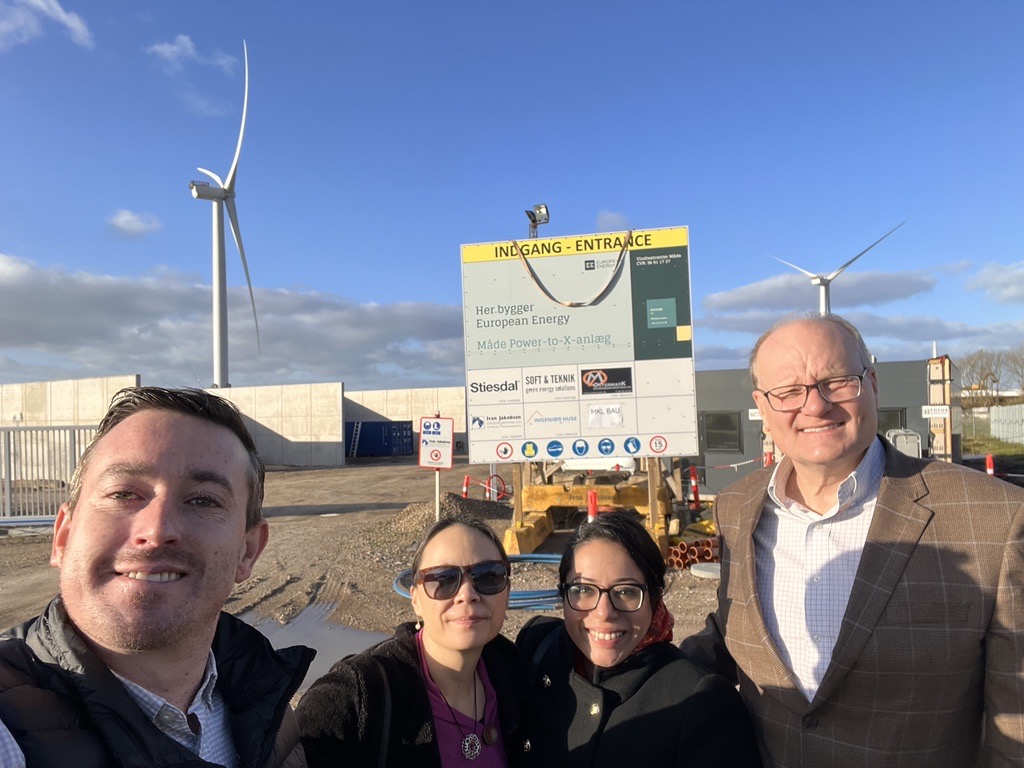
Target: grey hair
(812, 317)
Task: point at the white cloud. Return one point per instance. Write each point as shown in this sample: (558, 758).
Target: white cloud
(889, 337)
(202, 106)
(611, 221)
(54, 324)
(789, 293)
(132, 225)
(1001, 283)
(176, 54)
(18, 25)
(21, 22)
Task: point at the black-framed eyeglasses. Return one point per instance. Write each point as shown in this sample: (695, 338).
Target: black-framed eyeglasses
(836, 389)
(585, 597)
(443, 581)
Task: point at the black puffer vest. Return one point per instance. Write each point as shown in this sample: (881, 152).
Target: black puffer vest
(64, 707)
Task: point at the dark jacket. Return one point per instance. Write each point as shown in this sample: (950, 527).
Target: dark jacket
(654, 709)
(65, 707)
(342, 720)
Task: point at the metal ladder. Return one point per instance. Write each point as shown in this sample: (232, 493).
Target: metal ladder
(352, 449)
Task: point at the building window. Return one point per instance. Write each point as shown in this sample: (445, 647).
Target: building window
(722, 431)
(891, 418)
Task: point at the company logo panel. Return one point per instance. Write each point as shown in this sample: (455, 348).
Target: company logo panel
(609, 417)
(606, 381)
(551, 383)
(553, 420)
(494, 387)
(495, 422)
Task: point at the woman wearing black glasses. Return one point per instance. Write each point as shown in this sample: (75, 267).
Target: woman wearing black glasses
(615, 689)
(445, 691)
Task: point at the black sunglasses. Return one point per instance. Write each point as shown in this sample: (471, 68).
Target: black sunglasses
(443, 581)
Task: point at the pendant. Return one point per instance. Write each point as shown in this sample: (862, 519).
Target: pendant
(490, 735)
(471, 747)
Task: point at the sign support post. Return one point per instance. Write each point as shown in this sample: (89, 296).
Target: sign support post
(437, 440)
(437, 495)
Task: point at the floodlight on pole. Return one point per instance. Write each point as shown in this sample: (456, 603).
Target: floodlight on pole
(539, 215)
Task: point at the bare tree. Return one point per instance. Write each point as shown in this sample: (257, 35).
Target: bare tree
(971, 366)
(981, 373)
(1014, 360)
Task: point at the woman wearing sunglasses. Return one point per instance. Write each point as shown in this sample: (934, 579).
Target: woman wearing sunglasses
(445, 691)
(615, 689)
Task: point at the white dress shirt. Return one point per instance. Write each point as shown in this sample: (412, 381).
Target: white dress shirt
(806, 564)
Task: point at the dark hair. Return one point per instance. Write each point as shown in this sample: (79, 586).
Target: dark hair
(459, 518)
(622, 527)
(192, 402)
(814, 317)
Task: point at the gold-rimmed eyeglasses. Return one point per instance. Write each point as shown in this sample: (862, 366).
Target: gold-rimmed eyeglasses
(835, 389)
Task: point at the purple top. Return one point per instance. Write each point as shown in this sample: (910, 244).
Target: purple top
(450, 733)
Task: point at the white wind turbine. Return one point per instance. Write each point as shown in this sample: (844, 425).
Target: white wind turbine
(825, 304)
(223, 195)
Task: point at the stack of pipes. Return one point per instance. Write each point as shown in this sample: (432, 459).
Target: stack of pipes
(685, 554)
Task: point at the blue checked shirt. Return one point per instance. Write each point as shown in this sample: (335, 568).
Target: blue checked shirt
(10, 753)
(212, 743)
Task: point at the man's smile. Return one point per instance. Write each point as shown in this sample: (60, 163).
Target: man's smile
(162, 576)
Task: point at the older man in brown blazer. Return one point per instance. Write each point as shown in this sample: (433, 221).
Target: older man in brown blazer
(871, 607)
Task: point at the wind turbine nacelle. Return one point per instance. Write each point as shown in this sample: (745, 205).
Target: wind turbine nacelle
(203, 190)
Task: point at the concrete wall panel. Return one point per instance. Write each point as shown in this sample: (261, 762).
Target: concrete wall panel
(71, 402)
(61, 402)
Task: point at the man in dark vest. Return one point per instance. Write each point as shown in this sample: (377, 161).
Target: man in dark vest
(134, 663)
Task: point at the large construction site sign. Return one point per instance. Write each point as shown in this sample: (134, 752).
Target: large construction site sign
(579, 347)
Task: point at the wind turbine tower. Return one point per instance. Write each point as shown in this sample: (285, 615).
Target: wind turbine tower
(223, 196)
(824, 281)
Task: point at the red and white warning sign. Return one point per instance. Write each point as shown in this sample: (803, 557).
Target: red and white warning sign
(437, 440)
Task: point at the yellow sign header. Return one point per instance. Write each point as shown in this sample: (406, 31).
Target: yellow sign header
(576, 245)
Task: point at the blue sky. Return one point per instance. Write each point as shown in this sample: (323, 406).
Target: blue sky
(382, 136)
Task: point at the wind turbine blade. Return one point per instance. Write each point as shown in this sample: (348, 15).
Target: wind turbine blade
(230, 183)
(213, 176)
(835, 274)
(794, 266)
(237, 234)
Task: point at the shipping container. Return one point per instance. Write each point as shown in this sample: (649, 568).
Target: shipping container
(378, 438)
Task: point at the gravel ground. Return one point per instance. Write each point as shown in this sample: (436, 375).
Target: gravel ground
(338, 539)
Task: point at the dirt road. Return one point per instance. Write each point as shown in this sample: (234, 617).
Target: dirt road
(338, 539)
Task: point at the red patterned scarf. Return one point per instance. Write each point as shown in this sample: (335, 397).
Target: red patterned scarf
(661, 627)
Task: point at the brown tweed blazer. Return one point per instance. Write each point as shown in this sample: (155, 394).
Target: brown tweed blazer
(928, 668)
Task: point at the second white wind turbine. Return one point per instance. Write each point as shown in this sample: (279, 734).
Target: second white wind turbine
(825, 303)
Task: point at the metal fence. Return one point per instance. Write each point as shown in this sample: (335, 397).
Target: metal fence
(36, 465)
(1007, 423)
